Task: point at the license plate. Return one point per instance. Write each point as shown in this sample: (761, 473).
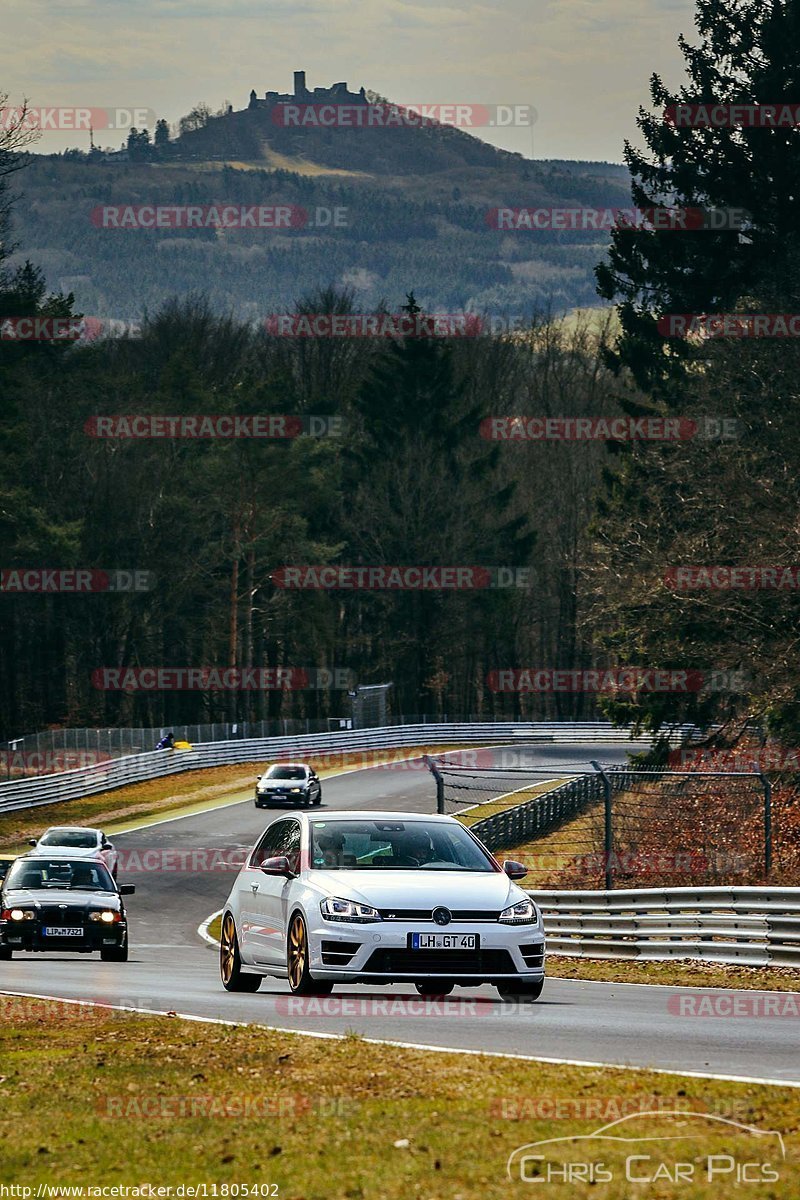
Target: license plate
(62, 931)
(444, 941)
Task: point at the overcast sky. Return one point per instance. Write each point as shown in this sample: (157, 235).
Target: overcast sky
(583, 64)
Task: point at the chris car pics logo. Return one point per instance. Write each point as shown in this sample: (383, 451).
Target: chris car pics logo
(672, 1152)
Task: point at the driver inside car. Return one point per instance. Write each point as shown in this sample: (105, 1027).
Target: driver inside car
(416, 846)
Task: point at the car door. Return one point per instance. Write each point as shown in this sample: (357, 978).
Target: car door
(266, 896)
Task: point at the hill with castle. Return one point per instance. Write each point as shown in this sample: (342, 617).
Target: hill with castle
(414, 203)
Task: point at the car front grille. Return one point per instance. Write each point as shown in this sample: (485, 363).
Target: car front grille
(425, 914)
(52, 914)
(445, 962)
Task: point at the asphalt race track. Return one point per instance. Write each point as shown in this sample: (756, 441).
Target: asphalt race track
(172, 969)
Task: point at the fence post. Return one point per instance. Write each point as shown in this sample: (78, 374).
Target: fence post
(608, 838)
(767, 823)
(430, 764)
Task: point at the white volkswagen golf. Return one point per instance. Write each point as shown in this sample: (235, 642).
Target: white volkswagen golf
(379, 897)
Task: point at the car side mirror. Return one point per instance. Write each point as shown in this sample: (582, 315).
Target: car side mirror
(514, 870)
(31, 841)
(127, 889)
(279, 865)
(258, 778)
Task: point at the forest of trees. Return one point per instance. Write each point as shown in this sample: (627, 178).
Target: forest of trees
(410, 480)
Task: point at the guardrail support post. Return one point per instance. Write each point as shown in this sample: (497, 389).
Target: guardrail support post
(431, 765)
(767, 823)
(608, 831)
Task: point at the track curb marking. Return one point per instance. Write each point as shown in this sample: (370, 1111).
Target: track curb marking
(371, 1041)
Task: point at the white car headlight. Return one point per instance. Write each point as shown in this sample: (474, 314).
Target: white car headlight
(522, 913)
(21, 914)
(335, 909)
(107, 916)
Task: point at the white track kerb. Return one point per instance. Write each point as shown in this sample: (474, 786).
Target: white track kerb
(370, 1041)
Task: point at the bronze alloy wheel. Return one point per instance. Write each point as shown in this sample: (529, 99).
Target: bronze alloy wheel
(230, 964)
(300, 980)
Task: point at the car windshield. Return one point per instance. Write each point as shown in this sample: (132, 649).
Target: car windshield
(75, 839)
(394, 845)
(286, 773)
(42, 874)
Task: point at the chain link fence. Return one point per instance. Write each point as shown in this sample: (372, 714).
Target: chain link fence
(619, 826)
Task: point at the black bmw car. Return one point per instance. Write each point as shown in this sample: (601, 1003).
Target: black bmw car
(62, 903)
(288, 783)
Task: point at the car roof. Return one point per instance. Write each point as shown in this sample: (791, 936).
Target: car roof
(350, 814)
(71, 829)
(59, 856)
(305, 766)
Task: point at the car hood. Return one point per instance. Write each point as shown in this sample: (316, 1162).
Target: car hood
(75, 897)
(490, 891)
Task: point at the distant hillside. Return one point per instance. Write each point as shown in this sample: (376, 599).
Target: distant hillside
(413, 201)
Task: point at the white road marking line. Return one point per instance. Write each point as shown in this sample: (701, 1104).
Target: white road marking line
(538, 1058)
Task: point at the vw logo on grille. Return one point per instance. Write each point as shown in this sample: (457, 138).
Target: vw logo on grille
(442, 916)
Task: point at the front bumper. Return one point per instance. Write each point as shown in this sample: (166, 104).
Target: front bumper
(264, 799)
(379, 952)
(28, 936)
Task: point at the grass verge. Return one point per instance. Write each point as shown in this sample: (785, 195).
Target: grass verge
(676, 973)
(92, 1098)
(490, 808)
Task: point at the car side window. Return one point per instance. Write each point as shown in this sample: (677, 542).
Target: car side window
(292, 846)
(270, 843)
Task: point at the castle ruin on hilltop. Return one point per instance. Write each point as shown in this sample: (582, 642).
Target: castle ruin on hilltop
(338, 94)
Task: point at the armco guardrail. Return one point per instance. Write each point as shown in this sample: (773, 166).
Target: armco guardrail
(540, 814)
(754, 926)
(103, 777)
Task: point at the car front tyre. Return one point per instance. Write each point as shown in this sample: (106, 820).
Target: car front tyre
(5, 953)
(300, 979)
(234, 979)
